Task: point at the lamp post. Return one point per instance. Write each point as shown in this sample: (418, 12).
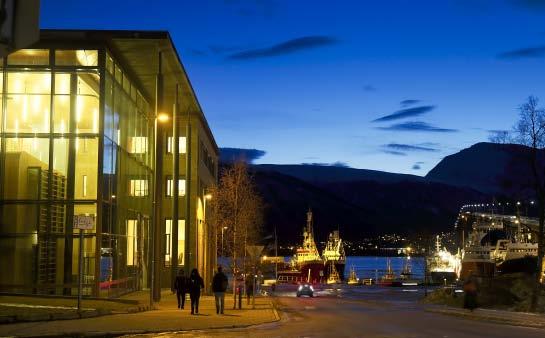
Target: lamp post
(222, 230)
(158, 167)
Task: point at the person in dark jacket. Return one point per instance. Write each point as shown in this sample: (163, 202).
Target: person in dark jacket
(180, 287)
(195, 285)
(470, 294)
(219, 286)
(249, 288)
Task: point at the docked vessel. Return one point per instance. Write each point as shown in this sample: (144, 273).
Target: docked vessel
(334, 254)
(307, 264)
(516, 254)
(443, 267)
(333, 275)
(389, 278)
(406, 276)
(352, 277)
(477, 257)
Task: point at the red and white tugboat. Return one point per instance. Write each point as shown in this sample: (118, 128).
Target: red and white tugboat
(306, 265)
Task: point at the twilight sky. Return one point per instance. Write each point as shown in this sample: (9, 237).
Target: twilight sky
(387, 85)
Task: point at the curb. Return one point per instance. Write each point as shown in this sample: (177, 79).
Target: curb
(43, 317)
(488, 318)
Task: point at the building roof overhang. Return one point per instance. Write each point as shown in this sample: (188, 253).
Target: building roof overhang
(138, 52)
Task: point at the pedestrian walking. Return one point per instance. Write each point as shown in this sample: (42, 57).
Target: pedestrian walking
(249, 289)
(219, 286)
(195, 285)
(470, 294)
(180, 287)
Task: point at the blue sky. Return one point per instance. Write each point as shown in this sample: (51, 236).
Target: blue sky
(385, 85)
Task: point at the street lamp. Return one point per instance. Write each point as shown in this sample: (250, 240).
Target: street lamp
(157, 179)
(222, 230)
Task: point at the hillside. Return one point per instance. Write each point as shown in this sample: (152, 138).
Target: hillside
(498, 169)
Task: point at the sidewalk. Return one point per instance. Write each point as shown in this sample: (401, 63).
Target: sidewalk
(496, 316)
(166, 317)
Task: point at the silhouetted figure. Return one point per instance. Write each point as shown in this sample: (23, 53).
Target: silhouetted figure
(249, 289)
(470, 294)
(195, 285)
(219, 286)
(180, 287)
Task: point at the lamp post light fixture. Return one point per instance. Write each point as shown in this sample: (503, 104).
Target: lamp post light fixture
(222, 230)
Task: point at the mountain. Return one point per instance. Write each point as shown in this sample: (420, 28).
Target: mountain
(328, 174)
(497, 169)
(363, 203)
(360, 203)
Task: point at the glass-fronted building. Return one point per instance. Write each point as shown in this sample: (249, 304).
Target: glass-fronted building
(79, 138)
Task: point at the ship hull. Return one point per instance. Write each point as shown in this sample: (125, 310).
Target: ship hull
(525, 264)
(443, 277)
(477, 268)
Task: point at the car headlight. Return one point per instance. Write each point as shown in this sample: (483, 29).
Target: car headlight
(311, 288)
(300, 288)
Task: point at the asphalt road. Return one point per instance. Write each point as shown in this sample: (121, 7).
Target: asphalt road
(334, 315)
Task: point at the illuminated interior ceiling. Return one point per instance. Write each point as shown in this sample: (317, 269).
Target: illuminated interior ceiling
(138, 52)
(141, 56)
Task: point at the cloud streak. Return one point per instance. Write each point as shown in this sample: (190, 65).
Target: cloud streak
(417, 126)
(334, 164)
(409, 147)
(409, 102)
(405, 113)
(230, 155)
(287, 47)
(523, 53)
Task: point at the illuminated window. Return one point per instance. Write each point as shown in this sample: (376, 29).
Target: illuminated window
(138, 145)
(138, 187)
(181, 144)
(29, 57)
(132, 242)
(170, 187)
(84, 185)
(168, 241)
(76, 57)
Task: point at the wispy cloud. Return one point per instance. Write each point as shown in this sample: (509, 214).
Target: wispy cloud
(408, 147)
(417, 126)
(416, 166)
(524, 53)
(409, 102)
(369, 88)
(394, 152)
(404, 113)
(286, 47)
(532, 5)
(334, 164)
(229, 155)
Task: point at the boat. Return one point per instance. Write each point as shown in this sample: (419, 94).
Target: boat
(477, 257)
(333, 275)
(389, 278)
(406, 276)
(334, 253)
(352, 277)
(307, 264)
(443, 267)
(516, 254)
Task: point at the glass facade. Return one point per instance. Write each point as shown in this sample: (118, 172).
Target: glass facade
(74, 140)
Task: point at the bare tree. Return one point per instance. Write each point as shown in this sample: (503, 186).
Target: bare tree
(237, 208)
(530, 131)
(499, 136)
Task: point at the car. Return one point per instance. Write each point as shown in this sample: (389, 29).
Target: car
(305, 290)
